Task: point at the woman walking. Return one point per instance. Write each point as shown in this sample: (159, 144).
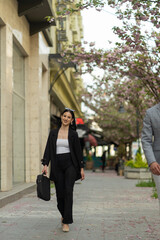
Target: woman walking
(64, 151)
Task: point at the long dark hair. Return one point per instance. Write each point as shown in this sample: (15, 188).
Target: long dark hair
(73, 124)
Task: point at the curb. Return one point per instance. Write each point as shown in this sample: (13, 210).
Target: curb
(16, 193)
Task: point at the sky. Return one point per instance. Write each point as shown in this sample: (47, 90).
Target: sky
(97, 27)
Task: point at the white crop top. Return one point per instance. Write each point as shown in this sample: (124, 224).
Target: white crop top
(62, 146)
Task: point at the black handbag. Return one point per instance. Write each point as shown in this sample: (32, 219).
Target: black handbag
(43, 187)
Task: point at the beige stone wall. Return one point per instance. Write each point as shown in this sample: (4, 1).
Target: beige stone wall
(37, 117)
(39, 101)
(6, 108)
(19, 25)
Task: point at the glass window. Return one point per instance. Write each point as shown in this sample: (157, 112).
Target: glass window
(18, 116)
(18, 72)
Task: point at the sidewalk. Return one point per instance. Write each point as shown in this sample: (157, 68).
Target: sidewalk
(16, 193)
(106, 207)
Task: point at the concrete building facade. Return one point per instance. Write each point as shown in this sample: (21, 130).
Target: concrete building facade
(28, 96)
(24, 84)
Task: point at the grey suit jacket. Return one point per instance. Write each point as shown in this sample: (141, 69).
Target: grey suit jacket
(151, 134)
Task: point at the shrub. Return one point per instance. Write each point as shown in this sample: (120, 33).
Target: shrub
(138, 162)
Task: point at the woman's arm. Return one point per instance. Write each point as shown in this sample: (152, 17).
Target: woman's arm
(82, 174)
(44, 170)
(79, 155)
(47, 155)
(78, 151)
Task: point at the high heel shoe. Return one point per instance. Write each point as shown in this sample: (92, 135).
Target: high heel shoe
(65, 228)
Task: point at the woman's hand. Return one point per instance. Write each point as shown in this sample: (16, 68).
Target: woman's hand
(44, 169)
(82, 174)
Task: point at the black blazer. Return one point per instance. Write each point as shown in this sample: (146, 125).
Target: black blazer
(75, 150)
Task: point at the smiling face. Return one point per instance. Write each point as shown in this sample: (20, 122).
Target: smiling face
(66, 119)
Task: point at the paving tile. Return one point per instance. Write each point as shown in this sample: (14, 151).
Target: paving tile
(106, 207)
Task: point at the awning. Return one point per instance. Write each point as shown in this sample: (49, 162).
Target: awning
(82, 130)
(79, 121)
(101, 142)
(92, 140)
(99, 137)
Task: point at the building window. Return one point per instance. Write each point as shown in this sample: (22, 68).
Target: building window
(18, 116)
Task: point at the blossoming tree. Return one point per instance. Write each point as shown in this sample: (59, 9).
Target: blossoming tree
(132, 67)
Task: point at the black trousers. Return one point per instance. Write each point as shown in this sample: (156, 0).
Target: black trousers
(64, 183)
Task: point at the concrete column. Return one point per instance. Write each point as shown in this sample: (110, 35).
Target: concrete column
(27, 121)
(37, 106)
(6, 107)
(34, 137)
(44, 108)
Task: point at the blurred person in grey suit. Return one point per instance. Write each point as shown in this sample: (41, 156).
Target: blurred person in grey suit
(151, 142)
